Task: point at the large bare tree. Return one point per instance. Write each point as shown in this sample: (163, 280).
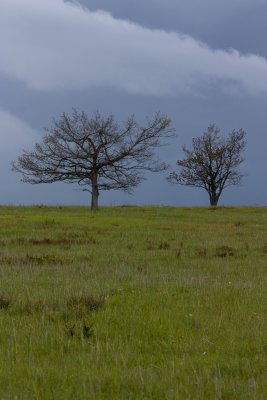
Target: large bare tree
(213, 162)
(97, 152)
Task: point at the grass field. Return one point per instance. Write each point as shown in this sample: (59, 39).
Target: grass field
(133, 303)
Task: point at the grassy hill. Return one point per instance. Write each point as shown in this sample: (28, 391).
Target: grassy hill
(133, 303)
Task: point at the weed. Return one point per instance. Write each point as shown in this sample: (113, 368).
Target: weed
(87, 329)
(83, 329)
(70, 328)
(178, 251)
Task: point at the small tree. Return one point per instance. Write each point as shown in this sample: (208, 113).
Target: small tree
(213, 162)
(96, 153)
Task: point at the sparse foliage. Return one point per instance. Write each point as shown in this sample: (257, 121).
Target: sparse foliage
(213, 162)
(97, 153)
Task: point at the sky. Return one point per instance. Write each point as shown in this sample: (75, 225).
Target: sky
(198, 61)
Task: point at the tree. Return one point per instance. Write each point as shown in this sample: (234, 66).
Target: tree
(213, 162)
(96, 153)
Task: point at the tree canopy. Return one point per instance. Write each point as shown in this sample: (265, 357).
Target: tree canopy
(97, 153)
(212, 163)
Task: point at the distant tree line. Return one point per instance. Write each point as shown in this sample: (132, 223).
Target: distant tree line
(98, 154)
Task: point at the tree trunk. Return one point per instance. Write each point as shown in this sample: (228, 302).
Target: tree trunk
(214, 199)
(95, 193)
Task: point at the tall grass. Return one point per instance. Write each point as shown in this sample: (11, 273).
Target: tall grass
(133, 303)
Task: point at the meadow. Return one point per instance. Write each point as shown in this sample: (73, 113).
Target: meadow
(133, 303)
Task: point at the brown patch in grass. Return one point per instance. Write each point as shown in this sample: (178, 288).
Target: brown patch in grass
(43, 259)
(163, 245)
(153, 245)
(32, 259)
(89, 302)
(201, 251)
(150, 245)
(53, 241)
(5, 301)
(76, 305)
(43, 241)
(40, 306)
(225, 251)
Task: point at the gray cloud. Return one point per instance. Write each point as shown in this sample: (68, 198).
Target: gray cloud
(222, 24)
(52, 46)
(14, 133)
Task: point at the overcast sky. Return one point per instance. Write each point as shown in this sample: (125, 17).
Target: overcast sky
(199, 61)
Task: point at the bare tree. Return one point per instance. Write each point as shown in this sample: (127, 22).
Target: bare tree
(97, 153)
(213, 162)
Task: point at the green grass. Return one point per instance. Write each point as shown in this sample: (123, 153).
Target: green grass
(133, 303)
